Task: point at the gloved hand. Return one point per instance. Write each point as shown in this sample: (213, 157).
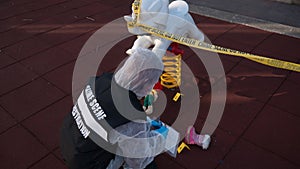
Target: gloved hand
(163, 130)
(148, 110)
(156, 124)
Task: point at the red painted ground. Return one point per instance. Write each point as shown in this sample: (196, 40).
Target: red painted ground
(40, 41)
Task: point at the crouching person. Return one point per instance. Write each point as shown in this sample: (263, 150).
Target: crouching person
(107, 127)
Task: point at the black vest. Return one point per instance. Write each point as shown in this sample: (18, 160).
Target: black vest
(85, 131)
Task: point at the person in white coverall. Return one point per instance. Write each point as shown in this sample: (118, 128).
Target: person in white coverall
(107, 127)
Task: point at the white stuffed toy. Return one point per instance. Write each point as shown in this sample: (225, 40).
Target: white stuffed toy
(173, 18)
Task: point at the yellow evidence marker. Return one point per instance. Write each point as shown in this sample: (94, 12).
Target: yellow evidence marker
(176, 97)
(181, 147)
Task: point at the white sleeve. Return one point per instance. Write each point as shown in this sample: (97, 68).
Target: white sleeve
(137, 144)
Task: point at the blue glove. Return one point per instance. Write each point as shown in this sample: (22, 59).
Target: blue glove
(156, 124)
(163, 130)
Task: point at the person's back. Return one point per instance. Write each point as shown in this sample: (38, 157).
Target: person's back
(108, 118)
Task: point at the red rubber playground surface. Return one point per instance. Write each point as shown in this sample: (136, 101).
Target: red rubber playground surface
(41, 39)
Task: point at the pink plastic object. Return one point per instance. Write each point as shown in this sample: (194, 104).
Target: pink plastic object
(192, 137)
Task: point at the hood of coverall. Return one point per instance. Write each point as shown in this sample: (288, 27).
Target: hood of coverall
(140, 72)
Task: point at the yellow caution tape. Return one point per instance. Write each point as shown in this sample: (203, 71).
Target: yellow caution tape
(181, 147)
(136, 10)
(209, 47)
